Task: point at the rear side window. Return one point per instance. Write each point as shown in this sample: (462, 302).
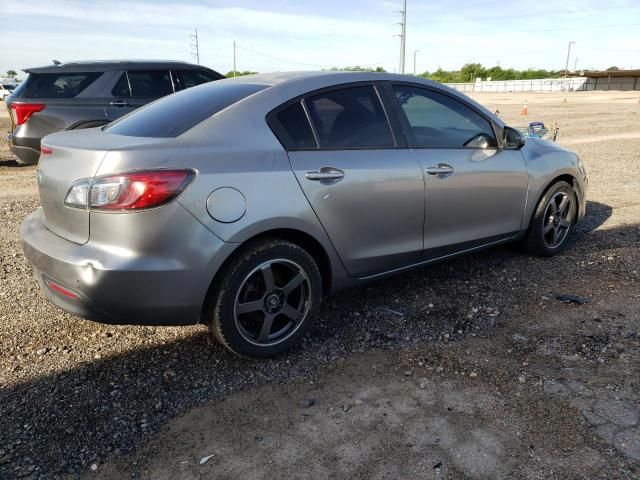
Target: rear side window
(192, 78)
(143, 84)
(57, 85)
(292, 128)
(350, 118)
(174, 115)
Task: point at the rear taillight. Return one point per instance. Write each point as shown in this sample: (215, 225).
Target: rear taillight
(129, 191)
(24, 110)
(59, 289)
(44, 150)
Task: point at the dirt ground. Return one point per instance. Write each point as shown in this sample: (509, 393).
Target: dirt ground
(467, 369)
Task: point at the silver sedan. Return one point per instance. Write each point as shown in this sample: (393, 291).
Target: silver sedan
(240, 203)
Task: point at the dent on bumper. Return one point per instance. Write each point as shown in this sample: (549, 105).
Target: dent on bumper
(113, 289)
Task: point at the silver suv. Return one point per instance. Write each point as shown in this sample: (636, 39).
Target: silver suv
(241, 202)
(80, 95)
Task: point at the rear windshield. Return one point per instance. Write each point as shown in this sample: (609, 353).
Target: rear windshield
(173, 115)
(56, 85)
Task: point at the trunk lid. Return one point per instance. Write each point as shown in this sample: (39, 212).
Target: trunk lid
(75, 155)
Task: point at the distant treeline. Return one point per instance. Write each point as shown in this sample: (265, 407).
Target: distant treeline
(468, 73)
(471, 71)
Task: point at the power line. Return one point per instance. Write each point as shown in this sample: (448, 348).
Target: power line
(295, 62)
(585, 27)
(280, 58)
(525, 15)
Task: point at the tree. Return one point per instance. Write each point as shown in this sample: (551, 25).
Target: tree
(12, 73)
(358, 68)
(613, 69)
(240, 74)
(470, 71)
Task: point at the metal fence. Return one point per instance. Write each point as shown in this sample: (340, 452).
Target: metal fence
(575, 84)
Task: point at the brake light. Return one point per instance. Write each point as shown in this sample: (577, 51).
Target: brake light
(44, 150)
(25, 110)
(129, 191)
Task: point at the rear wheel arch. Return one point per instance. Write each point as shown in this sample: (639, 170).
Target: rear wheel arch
(302, 239)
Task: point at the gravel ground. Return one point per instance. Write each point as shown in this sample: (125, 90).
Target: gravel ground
(468, 369)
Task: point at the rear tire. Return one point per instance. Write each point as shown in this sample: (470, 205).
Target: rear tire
(552, 222)
(265, 299)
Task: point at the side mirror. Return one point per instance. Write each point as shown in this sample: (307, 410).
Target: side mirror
(512, 139)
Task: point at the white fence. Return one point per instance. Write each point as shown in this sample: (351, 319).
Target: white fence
(551, 85)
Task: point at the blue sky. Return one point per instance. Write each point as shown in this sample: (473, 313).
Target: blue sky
(301, 35)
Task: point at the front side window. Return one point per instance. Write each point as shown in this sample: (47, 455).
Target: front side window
(57, 85)
(439, 121)
(350, 118)
(191, 78)
(144, 84)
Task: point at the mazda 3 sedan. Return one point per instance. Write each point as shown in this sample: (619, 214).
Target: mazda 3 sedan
(240, 203)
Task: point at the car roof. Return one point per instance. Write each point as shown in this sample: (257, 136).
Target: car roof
(287, 85)
(338, 76)
(107, 65)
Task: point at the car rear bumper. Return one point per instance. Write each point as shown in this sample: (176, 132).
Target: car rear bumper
(26, 149)
(91, 282)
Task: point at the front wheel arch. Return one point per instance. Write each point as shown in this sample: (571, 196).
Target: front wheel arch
(570, 179)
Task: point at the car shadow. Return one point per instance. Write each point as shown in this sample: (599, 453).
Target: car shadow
(65, 421)
(597, 214)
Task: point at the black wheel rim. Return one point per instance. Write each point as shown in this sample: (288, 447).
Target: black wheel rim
(558, 217)
(272, 302)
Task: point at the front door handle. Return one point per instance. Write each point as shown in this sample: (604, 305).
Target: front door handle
(119, 103)
(325, 173)
(441, 170)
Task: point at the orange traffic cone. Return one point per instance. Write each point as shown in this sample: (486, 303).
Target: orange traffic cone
(525, 109)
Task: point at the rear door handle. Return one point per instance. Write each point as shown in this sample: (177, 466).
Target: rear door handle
(325, 173)
(442, 169)
(119, 103)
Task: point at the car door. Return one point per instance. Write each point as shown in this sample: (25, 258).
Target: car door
(365, 187)
(475, 192)
(136, 88)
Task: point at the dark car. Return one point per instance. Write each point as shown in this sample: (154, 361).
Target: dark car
(90, 94)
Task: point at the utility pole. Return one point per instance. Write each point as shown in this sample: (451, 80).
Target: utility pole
(566, 67)
(415, 53)
(403, 36)
(196, 45)
(234, 59)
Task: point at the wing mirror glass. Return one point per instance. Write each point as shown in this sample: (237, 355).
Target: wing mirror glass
(513, 139)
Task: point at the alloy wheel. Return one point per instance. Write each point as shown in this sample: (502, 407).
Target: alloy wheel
(558, 217)
(272, 302)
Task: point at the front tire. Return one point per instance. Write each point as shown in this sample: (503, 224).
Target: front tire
(553, 220)
(265, 299)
